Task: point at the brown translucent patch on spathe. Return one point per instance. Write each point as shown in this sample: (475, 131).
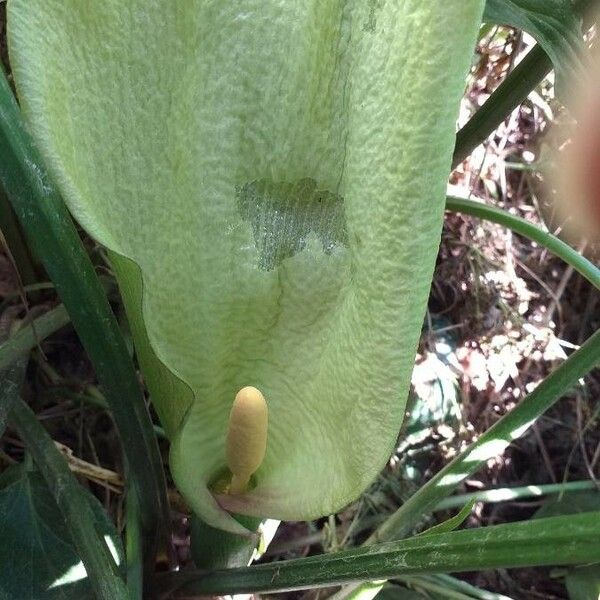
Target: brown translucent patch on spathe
(284, 216)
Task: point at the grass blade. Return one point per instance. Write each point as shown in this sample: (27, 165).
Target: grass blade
(453, 522)
(134, 545)
(446, 584)
(65, 489)
(515, 88)
(492, 443)
(29, 336)
(54, 239)
(551, 541)
(522, 492)
(505, 98)
(519, 225)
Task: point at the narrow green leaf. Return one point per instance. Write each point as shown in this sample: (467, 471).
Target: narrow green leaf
(435, 586)
(506, 97)
(553, 23)
(395, 592)
(553, 541)
(509, 94)
(450, 586)
(453, 522)
(529, 230)
(440, 587)
(391, 591)
(73, 505)
(507, 494)
(29, 336)
(134, 548)
(493, 442)
(361, 591)
(37, 556)
(53, 237)
(583, 583)
(570, 504)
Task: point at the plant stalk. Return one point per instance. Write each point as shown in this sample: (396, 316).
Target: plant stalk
(573, 539)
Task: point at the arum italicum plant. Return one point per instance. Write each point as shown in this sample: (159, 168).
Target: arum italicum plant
(269, 180)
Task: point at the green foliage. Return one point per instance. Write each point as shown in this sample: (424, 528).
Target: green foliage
(395, 592)
(507, 96)
(554, 23)
(11, 237)
(556, 540)
(21, 343)
(453, 522)
(529, 230)
(76, 511)
(583, 581)
(216, 549)
(37, 555)
(572, 503)
(523, 78)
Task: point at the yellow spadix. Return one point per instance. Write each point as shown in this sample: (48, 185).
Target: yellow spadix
(246, 437)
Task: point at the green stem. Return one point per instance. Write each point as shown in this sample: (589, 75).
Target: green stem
(515, 88)
(573, 539)
(29, 336)
(492, 443)
(42, 327)
(447, 582)
(79, 519)
(29, 290)
(516, 493)
(134, 546)
(505, 98)
(430, 584)
(445, 585)
(54, 239)
(519, 225)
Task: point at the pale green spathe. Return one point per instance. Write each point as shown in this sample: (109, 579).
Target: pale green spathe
(276, 170)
